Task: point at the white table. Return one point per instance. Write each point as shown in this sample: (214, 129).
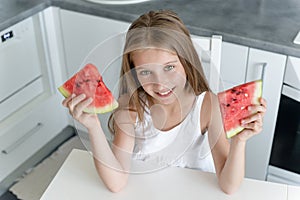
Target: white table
(293, 192)
(78, 179)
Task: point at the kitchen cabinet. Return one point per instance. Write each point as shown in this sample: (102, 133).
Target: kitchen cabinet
(39, 117)
(270, 67)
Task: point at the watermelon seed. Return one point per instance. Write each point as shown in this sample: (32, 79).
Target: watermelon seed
(228, 105)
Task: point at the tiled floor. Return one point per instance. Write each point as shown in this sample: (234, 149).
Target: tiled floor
(30, 186)
(66, 135)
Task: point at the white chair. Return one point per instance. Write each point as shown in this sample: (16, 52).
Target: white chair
(209, 51)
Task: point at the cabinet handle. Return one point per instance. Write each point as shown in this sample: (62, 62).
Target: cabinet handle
(262, 75)
(18, 142)
(263, 69)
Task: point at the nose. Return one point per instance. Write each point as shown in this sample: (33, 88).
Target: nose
(160, 81)
(158, 78)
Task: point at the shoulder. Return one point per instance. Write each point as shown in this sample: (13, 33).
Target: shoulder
(209, 108)
(125, 113)
(124, 122)
(124, 119)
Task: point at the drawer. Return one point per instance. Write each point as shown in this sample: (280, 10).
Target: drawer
(292, 72)
(18, 99)
(20, 140)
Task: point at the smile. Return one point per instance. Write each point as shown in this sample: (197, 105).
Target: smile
(166, 93)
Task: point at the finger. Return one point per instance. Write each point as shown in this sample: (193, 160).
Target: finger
(263, 102)
(255, 127)
(78, 109)
(252, 118)
(74, 101)
(66, 100)
(257, 108)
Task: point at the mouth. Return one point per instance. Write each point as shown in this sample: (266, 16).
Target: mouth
(165, 93)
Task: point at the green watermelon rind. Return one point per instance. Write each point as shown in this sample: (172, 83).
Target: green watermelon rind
(64, 92)
(102, 110)
(257, 95)
(234, 131)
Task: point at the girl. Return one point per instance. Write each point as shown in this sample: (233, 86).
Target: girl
(167, 112)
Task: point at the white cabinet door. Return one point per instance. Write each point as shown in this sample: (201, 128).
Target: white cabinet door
(82, 35)
(233, 64)
(259, 147)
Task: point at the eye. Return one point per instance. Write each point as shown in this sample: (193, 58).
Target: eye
(144, 72)
(169, 67)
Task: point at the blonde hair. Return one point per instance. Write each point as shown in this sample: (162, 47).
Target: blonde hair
(161, 29)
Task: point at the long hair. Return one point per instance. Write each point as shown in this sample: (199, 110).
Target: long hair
(161, 29)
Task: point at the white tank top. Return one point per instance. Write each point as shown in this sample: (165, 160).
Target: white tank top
(182, 146)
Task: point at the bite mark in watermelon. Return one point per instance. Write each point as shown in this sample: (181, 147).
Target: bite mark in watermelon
(89, 81)
(234, 104)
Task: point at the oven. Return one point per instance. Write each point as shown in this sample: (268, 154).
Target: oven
(284, 162)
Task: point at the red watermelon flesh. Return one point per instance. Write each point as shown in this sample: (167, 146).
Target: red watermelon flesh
(234, 104)
(89, 81)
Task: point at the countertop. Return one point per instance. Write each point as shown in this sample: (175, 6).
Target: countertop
(264, 24)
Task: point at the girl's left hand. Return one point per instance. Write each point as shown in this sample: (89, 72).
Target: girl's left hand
(253, 124)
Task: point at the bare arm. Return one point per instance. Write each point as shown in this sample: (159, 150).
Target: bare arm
(229, 158)
(112, 162)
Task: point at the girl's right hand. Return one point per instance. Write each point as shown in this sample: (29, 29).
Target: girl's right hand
(76, 105)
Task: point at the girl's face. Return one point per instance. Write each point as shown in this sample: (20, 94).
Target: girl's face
(160, 73)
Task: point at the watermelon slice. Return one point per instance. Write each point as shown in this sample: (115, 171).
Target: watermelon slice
(234, 104)
(89, 81)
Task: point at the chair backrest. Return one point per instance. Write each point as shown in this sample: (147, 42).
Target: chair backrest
(209, 51)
